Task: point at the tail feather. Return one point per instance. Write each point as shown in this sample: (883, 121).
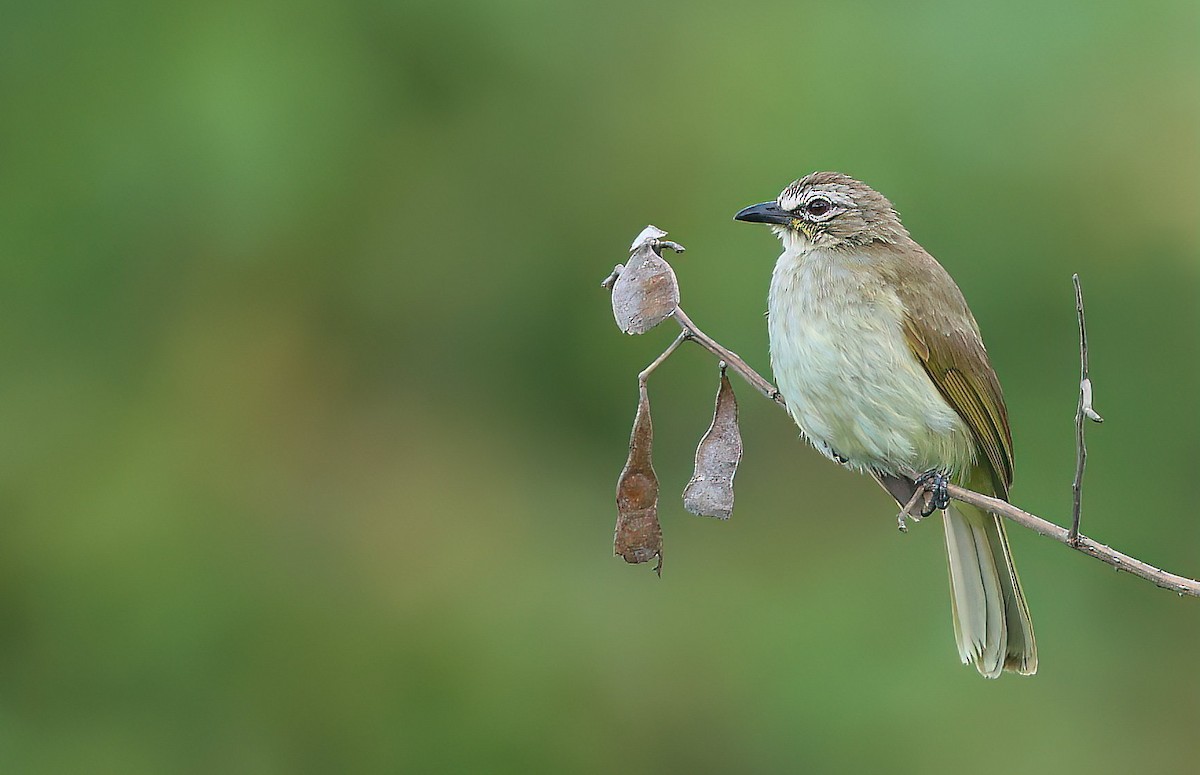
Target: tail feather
(966, 589)
(991, 620)
(1021, 655)
(978, 605)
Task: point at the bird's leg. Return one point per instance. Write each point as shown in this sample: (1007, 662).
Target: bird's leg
(906, 494)
(934, 482)
(906, 511)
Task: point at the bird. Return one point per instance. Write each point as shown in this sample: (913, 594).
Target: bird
(880, 363)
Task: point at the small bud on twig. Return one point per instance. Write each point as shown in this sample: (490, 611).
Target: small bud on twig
(607, 282)
(1085, 390)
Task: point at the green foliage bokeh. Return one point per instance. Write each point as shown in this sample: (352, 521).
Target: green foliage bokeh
(313, 407)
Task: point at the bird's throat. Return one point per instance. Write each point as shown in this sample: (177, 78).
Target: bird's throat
(794, 241)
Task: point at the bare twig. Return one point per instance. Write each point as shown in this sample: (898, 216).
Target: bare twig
(646, 372)
(1161, 578)
(734, 361)
(1084, 410)
(608, 282)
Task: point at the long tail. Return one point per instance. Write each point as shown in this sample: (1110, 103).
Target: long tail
(991, 619)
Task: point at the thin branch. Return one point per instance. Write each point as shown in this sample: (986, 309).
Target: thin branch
(1084, 410)
(646, 372)
(735, 362)
(1161, 578)
(608, 282)
(1106, 554)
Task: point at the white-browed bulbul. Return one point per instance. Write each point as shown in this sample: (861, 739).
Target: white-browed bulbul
(881, 364)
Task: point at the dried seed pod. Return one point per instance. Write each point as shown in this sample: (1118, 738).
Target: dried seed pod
(638, 536)
(646, 292)
(710, 491)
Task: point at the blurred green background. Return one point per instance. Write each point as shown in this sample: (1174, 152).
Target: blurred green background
(313, 407)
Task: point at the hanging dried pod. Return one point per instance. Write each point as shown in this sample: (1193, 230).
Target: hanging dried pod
(638, 536)
(710, 491)
(645, 292)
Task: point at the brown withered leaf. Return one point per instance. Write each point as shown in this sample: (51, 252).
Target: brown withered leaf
(646, 291)
(710, 491)
(638, 537)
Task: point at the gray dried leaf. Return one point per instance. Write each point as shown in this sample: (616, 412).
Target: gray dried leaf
(710, 491)
(646, 291)
(648, 234)
(638, 537)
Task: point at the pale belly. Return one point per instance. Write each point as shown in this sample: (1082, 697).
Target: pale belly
(848, 377)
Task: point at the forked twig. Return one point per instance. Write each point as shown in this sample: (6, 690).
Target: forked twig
(646, 372)
(735, 362)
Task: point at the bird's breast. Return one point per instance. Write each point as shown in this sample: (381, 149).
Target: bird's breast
(847, 374)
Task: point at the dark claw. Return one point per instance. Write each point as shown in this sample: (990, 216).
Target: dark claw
(934, 482)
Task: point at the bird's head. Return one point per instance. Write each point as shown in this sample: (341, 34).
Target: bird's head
(828, 210)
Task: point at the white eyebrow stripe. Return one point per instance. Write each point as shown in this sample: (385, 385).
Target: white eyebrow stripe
(790, 201)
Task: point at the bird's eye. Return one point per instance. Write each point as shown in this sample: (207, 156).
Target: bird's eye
(818, 207)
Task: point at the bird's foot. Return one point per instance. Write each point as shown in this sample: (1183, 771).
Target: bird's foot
(934, 483)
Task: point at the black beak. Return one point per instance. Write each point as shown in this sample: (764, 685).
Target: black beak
(767, 212)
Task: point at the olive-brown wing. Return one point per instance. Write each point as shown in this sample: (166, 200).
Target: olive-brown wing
(956, 361)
